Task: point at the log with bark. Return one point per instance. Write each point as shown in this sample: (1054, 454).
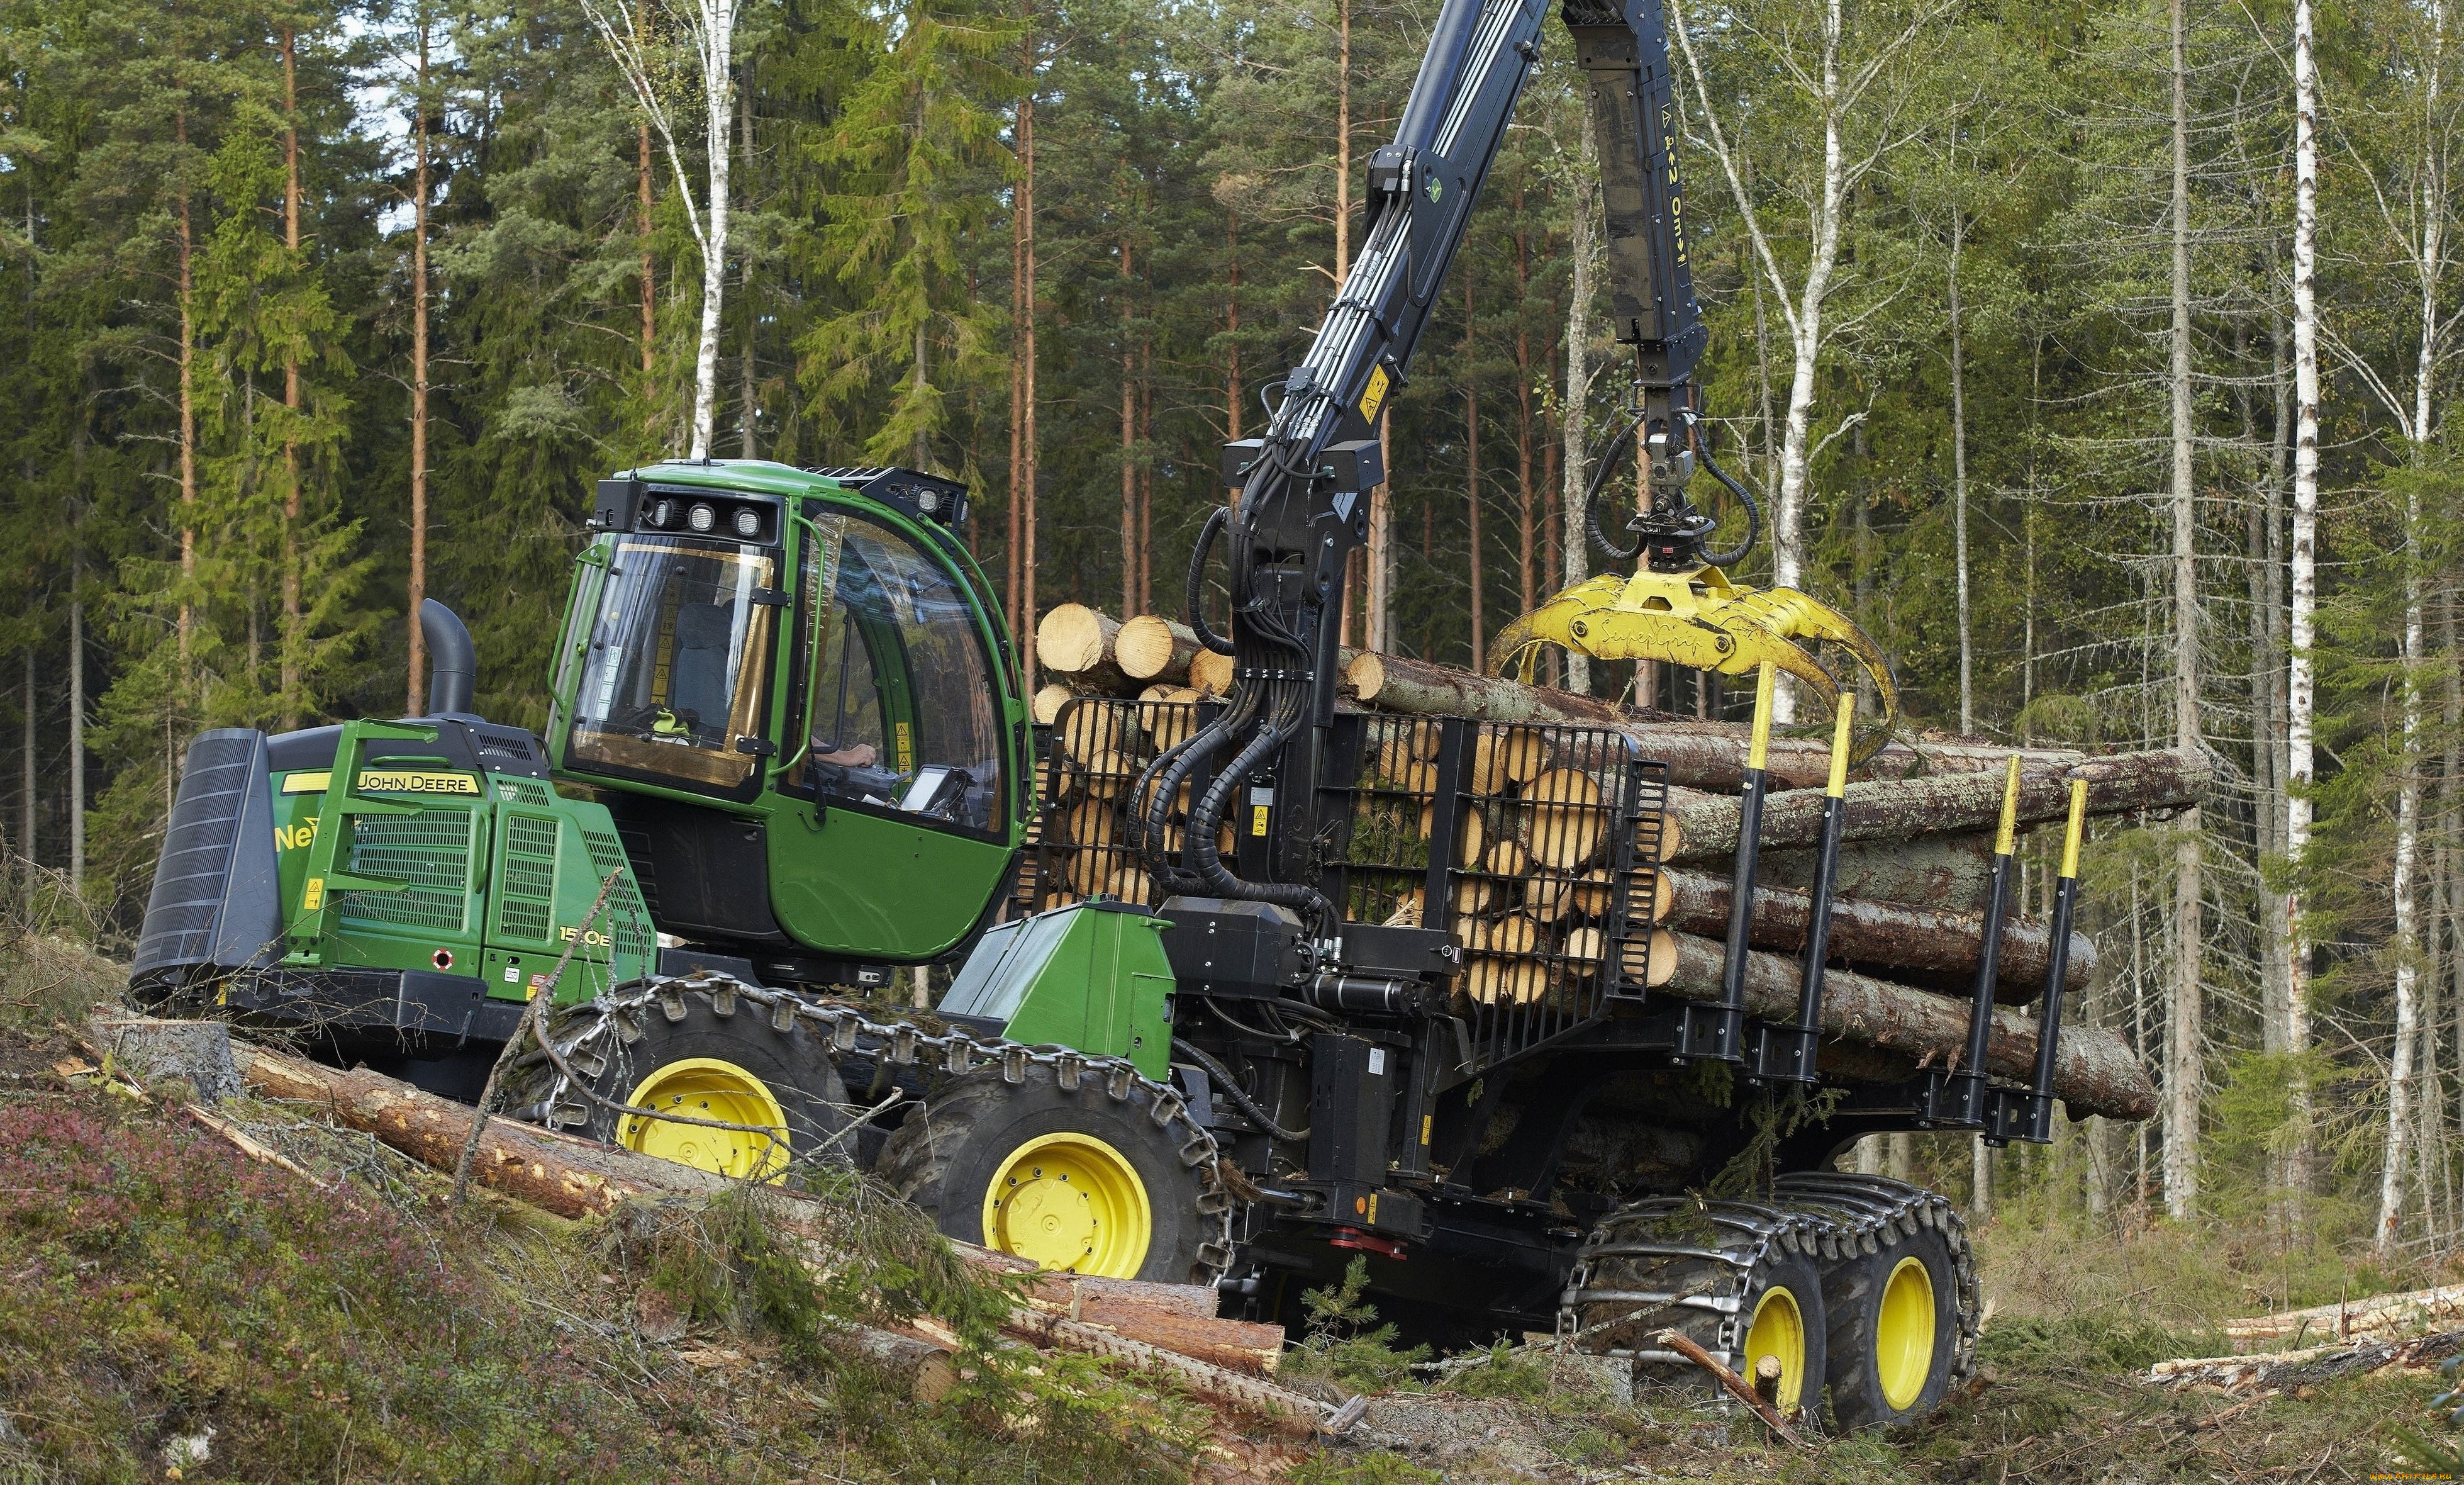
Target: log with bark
(2095, 1072)
(2371, 1315)
(2284, 1371)
(1699, 754)
(1075, 641)
(1900, 809)
(1891, 936)
(1953, 872)
(1151, 647)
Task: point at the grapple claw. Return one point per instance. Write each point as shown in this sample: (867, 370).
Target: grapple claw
(1702, 621)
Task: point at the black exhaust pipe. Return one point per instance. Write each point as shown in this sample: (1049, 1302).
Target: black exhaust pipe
(452, 664)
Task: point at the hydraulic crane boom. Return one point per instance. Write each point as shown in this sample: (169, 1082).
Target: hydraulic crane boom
(1302, 503)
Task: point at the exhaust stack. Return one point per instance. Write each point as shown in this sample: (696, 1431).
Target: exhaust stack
(453, 665)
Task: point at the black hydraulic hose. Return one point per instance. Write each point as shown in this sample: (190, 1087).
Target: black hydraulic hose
(1753, 512)
(1206, 535)
(1231, 1086)
(1619, 449)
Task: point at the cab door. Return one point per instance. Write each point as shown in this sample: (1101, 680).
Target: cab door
(903, 810)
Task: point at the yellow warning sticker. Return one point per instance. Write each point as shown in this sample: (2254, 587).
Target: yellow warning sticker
(1375, 396)
(1426, 1120)
(906, 748)
(1257, 819)
(313, 897)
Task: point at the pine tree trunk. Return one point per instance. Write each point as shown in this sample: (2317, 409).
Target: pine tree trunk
(2299, 686)
(1471, 484)
(649, 280)
(294, 642)
(78, 443)
(1959, 483)
(1022, 309)
(185, 270)
(1025, 616)
(747, 373)
(1579, 380)
(27, 839)
(1523, 502)
(416, 684)
(1129, 437)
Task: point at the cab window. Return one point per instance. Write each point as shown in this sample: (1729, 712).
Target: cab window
(904, 710)
(679, 663)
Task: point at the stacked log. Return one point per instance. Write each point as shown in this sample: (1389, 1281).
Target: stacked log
(1533, 903)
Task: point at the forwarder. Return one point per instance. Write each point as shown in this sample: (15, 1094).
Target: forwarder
(788, 758)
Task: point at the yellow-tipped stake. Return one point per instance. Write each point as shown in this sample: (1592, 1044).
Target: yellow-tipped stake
(1843, 737)
(1716, 1032)
(2006, 839)
(1758, 753)
(2076, 831)
(1969, 1101)
(1788, 1053)
(2035, 1122)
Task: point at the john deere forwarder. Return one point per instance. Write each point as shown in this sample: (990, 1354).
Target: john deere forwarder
(787, 755)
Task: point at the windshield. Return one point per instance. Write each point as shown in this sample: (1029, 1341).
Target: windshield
(677, 663)
(904, 709)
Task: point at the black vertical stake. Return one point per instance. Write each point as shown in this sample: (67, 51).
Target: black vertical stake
(1968, 1104)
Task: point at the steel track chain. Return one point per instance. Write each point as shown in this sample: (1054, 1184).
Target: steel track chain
(1630, 1258)
(587, 1037)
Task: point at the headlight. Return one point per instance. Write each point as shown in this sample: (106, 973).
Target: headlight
(661, 513)
(748, 523)
(701, 518)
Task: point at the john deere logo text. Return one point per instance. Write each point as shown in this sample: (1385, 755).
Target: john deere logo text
(388, 781)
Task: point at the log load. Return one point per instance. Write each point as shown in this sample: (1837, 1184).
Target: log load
(2095, 1072)
(1901, 936)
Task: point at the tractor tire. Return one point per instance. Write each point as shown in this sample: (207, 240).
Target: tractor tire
(1073, 1179)
(1737, 1280)
(703, 1052)
(1895, 1330)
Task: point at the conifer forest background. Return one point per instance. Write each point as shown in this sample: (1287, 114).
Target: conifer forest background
(2097, 358)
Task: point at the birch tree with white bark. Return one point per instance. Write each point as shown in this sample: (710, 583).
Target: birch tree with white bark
(695, 40)
(1847, 72)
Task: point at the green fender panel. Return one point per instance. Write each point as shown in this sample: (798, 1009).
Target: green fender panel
(1091, 976)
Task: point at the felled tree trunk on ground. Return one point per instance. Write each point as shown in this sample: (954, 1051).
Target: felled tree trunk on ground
(1901, 935)
(576, 1178)
(2095, 1072)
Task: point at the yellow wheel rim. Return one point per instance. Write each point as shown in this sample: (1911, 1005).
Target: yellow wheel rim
(1778, 1330)
(1904, 1334)
(708, 1088)
(1070, 1200)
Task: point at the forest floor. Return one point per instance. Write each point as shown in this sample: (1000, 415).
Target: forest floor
(170, 1309)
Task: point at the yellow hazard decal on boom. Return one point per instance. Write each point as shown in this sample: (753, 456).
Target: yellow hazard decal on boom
(393, 781)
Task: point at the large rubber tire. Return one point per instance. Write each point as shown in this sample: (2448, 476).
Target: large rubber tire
(1895, 1339)
(1637, 1254)
(1782, 1282)
(691, 1052)
(979, 1129)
